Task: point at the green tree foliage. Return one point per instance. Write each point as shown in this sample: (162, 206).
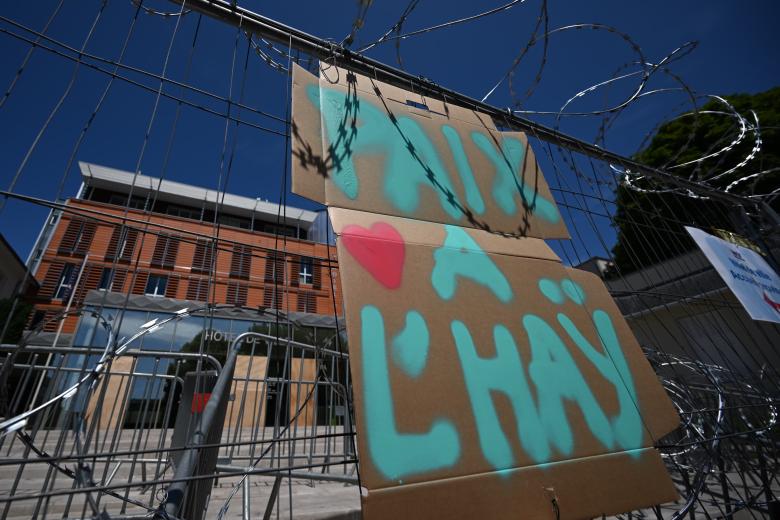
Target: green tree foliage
(650, 224)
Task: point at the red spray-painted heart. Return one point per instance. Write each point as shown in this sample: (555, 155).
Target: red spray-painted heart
(379, 249)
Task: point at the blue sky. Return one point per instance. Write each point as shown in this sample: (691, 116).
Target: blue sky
(736, 53)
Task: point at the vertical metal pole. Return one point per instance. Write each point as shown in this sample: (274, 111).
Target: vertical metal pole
(269, 508)
(188, 463)
(246, 514)
(724, 483)
(773, 505)
(688, 488)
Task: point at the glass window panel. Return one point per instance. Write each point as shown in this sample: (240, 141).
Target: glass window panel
(100, 336)
(105, 279)
(65, 283)
(305, 274)
(85, 330)
(187, 331)
(156, 284)
(130, 325)
(162, 338)
(251, 345)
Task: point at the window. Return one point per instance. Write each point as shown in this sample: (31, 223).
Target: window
(416, 104)
(109, 280)
(272, 298)
(198, 289)
(184, 212)
(122, 244)
(239, 222)
(66, 281)
(236, 294)
(274, 268)
(307, 302)
(241, 261)
(106, 277)
(201, 260)
(165, 251)
(118, 199)
(306, 272)
(37, 318)
(273, 229)
(77, 237)
(156, 284)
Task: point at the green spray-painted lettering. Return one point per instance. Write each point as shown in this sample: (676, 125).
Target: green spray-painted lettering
(396, 454)
(410, 346)
(542, 423)
(357, 126)
(461, 256)
(507, 184)
(551, 290)
(473, 196)
(504, 373)
(612, 365)
(573, 291)
(412, 162)
(556, 376)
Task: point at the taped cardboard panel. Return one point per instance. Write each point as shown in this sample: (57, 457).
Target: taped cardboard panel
(581, 489)
(384, 156)
(336, 76)
(395, 181)
(441, 173)
(309, 163)
(430, 232)
(483, 369)
(466, 361)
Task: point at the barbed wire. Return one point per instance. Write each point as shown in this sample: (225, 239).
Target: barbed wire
(159, 12)
(724, 412)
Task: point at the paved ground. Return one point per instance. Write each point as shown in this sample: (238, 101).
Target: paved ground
(312, 498)
(307, 496)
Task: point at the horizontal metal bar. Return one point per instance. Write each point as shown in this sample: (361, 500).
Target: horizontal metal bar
(109, 373)
(107, 455)
(294, 474)
(280, 340)
(99, 350)
(270, 29)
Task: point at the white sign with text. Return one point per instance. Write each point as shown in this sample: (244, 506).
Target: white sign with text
(755, 284)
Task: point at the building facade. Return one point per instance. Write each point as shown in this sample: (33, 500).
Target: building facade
(130, 249)
(142, 236)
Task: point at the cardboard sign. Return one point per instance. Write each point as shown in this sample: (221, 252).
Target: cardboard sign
(489, 380)
(362, 144)
(755, 284)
